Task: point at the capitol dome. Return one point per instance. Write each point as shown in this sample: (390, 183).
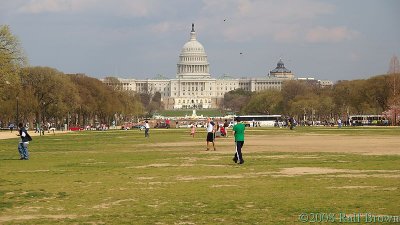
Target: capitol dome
(193, 59)
(193, 46)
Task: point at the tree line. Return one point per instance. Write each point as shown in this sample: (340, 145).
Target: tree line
(46, 95)
(306, 100)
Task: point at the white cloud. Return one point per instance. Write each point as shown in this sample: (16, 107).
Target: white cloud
(283, 20)
(245, 7)
(129, 8)
(161, 27)
(125, 8)
(354, 56)
(325, 35)
(246, 20)
(289, 34)
(54, 6)
(288, 11)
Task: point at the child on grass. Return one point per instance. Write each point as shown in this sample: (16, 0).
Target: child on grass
(193, 129)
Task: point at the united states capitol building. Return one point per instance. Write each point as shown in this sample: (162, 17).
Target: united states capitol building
(193, 86)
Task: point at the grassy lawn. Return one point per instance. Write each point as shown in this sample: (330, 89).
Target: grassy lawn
(119, 177)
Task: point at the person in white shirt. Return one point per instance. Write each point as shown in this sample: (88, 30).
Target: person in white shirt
(210, 133)
(339, 123)
(146, 128)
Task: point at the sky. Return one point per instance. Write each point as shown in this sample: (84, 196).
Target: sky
(323, 39)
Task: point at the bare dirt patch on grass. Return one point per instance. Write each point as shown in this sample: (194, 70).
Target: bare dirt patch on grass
(158, 165)
(325, 143)
(297, 171)
(369, 145)
(332, 172)
(8, 134)
(379, 188)
(107, 205)
(301, 171)
(33, 217)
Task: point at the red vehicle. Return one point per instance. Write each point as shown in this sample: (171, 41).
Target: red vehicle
(75, 128)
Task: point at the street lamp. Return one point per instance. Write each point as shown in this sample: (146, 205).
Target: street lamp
(42, 123)
(44, 107)
(17, 120)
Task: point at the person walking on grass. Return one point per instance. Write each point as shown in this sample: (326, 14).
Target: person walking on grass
(238, 133)
(146, 129)
(226, 125)
(210, 133)
(193, 129)
(11, 126)
(23, 143)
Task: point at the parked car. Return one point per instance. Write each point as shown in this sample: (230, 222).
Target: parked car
(161, 125)
(138, 126)
(200, 125)
(76, 128)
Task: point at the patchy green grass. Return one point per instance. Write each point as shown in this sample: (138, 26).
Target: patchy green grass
(119, 177)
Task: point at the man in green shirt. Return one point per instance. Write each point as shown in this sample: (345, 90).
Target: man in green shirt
(238, 132)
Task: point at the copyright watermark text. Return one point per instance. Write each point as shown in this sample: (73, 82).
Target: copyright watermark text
(342, 217)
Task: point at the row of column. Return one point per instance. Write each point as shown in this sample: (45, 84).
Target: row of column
(193, 59)
(192, 69)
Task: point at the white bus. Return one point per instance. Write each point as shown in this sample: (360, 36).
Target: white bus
(367, 120)
(260, 120)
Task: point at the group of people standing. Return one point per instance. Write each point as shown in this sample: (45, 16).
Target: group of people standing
(238, 132)
(212, 128)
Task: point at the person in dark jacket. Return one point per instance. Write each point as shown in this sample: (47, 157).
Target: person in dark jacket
(23, 143)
